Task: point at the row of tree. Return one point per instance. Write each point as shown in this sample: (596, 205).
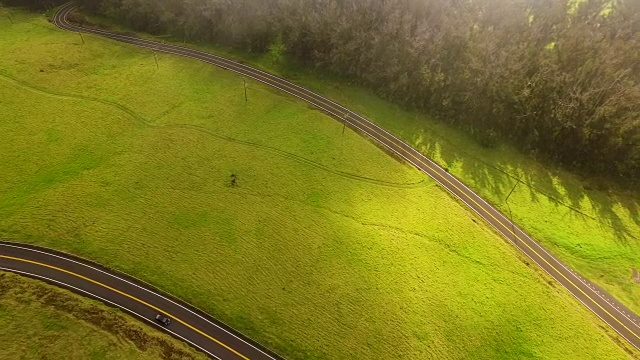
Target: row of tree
(558, 78)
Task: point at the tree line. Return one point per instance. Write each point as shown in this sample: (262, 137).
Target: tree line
(557, 78)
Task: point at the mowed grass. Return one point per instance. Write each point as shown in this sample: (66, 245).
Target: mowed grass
(327, 248)
(40, 321)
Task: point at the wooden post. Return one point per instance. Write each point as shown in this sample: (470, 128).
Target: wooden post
(344, 122)
(506, 201)
(184, 34)
(244, 81)
(9, 14)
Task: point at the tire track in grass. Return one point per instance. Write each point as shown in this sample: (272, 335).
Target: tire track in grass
(142, 121)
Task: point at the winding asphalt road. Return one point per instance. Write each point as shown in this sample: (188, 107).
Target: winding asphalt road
(217, 340)
(133, 296)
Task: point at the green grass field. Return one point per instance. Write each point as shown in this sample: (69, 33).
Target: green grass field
(591, 224)
(595, 231)
(327, 249)
(40, 321)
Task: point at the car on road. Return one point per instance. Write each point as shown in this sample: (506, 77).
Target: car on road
(163, 320)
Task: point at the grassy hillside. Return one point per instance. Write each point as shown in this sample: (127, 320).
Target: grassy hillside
(45, 322)
(327, 248)
(591, 224)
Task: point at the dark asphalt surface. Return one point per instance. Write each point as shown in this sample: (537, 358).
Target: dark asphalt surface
(613, 313)
(135, 297)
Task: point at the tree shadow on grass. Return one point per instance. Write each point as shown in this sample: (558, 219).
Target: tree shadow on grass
(493, 176)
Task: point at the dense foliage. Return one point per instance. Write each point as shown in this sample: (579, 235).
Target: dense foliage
(558, 79)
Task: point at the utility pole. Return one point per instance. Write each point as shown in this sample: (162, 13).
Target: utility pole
(344, 122)
(506, 201)
(9, 14)
(244, 81)
(81, 37)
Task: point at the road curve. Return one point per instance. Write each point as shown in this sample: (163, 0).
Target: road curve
(203, 332)
(135, 297)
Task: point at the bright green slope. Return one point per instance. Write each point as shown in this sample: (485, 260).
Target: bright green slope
(591, 224)
(40, 321)
(339, 253)
(588, 223)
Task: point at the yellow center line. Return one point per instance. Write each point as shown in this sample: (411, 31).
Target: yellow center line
(130, 297)
(504, 226)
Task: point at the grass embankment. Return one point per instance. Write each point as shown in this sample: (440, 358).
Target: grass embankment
(328, 248)
(40, 321)
(591, 224)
